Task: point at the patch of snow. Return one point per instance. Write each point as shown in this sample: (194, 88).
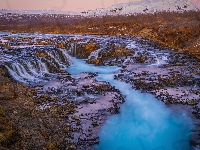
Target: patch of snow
(144, 6)
(133, 7)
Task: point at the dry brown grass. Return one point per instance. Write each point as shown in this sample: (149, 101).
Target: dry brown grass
(35, 128)
(180, 31)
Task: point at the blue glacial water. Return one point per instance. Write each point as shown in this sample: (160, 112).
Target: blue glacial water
(144, 123)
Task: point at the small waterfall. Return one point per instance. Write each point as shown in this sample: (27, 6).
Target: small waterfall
(61, 57)
(37, 72)
(15, 75)
(73, 49)
(40, 70)
(67, 57)
(28, 71)
(94, 54)
(21, 71)
(35, 68)
(160, 58)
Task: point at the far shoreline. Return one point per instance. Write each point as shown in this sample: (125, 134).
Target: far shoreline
(175, 30)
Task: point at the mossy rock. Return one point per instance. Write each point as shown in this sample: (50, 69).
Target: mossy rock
(51, 146)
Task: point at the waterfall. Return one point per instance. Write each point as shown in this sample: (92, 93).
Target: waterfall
(15, 75)
(160, 58)
(35, 68)
(94, 54)
(61, 57)
(28, 71)
(73, 49)
(67, 57)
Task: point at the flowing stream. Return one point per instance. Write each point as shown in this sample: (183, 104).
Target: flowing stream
(144, 123)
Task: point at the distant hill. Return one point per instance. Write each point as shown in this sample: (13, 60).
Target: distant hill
(144, 6)
(3, 11)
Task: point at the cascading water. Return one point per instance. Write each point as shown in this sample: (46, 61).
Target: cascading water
(33, 68)
(160, 58)
(73, 49)
(61, 57)
(143, 123)
(28, 70)
(94, 54)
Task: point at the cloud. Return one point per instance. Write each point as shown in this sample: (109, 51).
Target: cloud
(196, 2)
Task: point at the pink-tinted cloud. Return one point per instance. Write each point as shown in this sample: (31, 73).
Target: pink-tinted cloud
(72, 5)
(196, 2)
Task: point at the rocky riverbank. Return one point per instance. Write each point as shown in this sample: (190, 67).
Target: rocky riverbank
(47, 116)
(57, 111)
(176, 82)
(172, 77)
